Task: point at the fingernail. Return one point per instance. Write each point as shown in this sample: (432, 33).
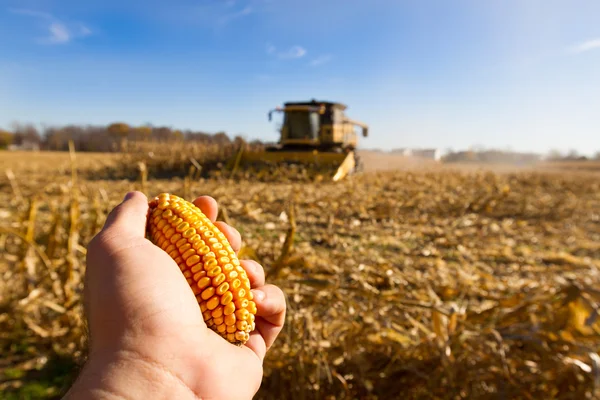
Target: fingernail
(259, 294)
(128, 196)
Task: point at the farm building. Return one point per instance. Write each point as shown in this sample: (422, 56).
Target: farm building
(432, 154)
(25, 145)
(403, 151)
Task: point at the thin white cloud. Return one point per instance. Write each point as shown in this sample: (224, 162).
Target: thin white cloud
(58, 32)
(586, 46)
(291, 53)
(320, 60)
(31, 13)
(84, 30)
(270, 48)
(235, 15)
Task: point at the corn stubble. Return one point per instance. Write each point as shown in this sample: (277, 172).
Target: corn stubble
(208, 263)
(429, 284)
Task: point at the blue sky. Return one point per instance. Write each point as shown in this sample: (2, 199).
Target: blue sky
(519, 74)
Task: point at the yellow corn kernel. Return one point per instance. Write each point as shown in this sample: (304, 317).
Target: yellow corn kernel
(223, 288)
(252, 308)
(229, 307)
(182, 227)
(229, 320)
(212, 303)
(217, 312)
(197, 275)
(188, 254)
(229, 269)
(208, 263)
(208, 293)
(242, 313)
(213, 271)
(175, 238)
(198, 267)
(204, 282)
(241, 303)
(193, 260)
(218, 280)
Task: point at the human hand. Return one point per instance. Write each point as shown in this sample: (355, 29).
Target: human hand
(147, 335)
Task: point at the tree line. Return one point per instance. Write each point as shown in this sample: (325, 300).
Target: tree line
(104, 138)
(481, 155)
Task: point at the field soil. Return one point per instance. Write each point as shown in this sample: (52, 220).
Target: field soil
(413, 280)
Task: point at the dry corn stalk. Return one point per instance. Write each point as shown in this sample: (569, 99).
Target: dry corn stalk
(288, 244)
(209, 264)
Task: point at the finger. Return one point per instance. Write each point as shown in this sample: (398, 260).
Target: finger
(208, 206)
(232, 234)
(257, 344)
(267, 331)
(130, 216)
(271, 307)
(255, 272)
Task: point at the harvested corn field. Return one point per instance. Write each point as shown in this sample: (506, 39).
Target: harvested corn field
(441, 284)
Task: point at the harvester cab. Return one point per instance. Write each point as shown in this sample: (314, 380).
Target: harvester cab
(315, 134)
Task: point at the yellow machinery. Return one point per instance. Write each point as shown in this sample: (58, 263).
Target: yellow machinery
(315, 133)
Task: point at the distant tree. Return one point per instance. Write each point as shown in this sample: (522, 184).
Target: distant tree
(6, 138)
(554, 155)
(162, 133)
(119, 131)
(177, 135)
(56, 139)
(573, 154)
(142, 132)
(477, 148)
(25, 134)
(198, 136)
(239, 141)
(221, 138)
(597, 155)
(109, 137)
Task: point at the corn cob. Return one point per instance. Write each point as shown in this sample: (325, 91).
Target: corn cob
(208, 262)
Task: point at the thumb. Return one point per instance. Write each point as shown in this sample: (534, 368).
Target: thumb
(129, 217)
(124, 224)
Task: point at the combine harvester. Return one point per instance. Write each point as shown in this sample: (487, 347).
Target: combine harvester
(316, 135)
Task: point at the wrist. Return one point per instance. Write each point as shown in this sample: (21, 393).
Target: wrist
(127, 375)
